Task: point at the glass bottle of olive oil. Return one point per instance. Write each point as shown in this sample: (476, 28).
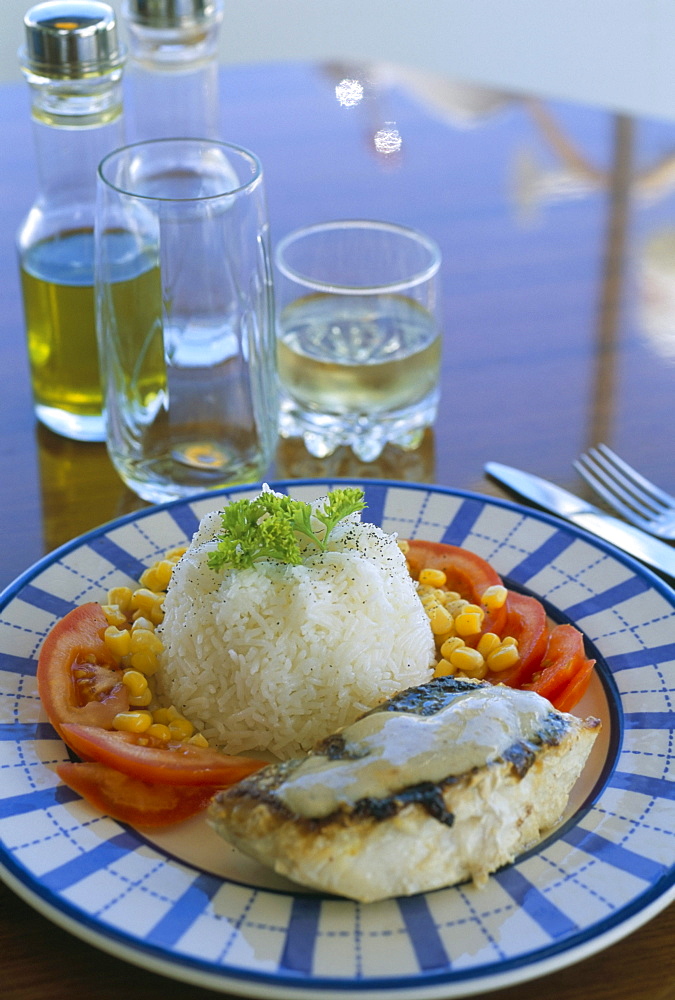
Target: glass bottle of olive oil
(73, 63)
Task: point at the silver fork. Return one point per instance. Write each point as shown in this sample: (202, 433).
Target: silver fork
(627, 492)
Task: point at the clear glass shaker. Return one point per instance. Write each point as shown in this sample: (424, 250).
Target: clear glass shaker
(172, 78)
(73, 63)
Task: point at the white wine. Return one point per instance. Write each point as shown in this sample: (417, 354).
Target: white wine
(351, 355)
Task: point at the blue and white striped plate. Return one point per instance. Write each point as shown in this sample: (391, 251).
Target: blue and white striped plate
(184, 904)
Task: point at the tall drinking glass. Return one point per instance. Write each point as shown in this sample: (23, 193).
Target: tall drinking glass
(185, 316)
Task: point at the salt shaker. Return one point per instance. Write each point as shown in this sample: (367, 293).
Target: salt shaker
(172, 79)
(73, 62)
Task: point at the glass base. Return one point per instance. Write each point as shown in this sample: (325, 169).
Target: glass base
(174, 477)
(72, 425)
(366, 435)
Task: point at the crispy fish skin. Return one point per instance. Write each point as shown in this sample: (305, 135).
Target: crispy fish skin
(425, 835)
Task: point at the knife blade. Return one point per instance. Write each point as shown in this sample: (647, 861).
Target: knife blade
(553, 498)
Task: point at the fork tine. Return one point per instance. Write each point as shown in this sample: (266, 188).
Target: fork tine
(639, 481)
(587, 470)
(622, 484)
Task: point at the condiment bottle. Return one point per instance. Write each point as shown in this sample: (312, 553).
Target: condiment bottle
(172, 78)
(73, 63)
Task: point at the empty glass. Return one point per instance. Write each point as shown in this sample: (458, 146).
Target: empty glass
(185, 316)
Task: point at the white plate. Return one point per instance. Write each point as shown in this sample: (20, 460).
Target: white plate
(185, 905)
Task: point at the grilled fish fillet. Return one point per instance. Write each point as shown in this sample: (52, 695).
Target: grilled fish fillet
(442, 783)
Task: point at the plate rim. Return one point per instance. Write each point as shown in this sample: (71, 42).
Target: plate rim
(452, 983)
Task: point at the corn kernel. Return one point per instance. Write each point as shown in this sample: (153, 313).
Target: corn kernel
(502, 658)
(135, 681)
(143, 639)
(508, 640)
(141, 700)
(140, 622)
(468, 623)
(441, 620)
(157, 577)
(132, 722)
(118, 641)
(494, 597)
(159, 732)
(444, 668)
(403, 545)
(144, 598)
(451, 644)
(173, 555)
(198, 740)
(469, 661)
(144, 661)
(161, 716)
(433, 577)
(181, 729)
(121, 596)
(114, 615)
(487, 642)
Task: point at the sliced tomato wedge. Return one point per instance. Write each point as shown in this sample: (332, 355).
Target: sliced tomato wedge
(565, 670)
(526, 621)
(467, 573)
(139, 803)
(78, 680)
(153, 760)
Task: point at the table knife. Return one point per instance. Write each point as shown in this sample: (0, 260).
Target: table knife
(558, 501)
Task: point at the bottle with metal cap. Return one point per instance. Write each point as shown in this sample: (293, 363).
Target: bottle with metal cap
(172, 78)
(73, 63)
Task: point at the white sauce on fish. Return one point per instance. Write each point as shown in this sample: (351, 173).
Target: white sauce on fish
(399, 749)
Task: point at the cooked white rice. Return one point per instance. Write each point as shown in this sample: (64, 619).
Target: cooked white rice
(275, 657)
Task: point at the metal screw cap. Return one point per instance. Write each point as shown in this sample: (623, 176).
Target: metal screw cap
(71, 39)
(172, 13)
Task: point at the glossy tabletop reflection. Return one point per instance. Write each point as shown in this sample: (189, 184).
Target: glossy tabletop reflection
(557, 228)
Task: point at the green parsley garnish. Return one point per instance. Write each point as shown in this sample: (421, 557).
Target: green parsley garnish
(268, 526)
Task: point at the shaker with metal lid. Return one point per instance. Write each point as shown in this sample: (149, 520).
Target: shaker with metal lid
(172, 79)
(73, 62)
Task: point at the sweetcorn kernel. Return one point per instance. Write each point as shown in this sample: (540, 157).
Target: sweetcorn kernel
(469, 661)
(440, 620)
(487, 642)
(444, 668)
(432, 577)
(121, 596)
(135, 681)
(159, 732)
(198, 740)
(114, 615)
(118, 641)
(495, 597)
(181, 729)
(450, 645)
(502, 658)
(468, 623)
(157, 576)
(132, 722)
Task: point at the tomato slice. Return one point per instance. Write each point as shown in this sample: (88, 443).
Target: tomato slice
(467, 573)
(565, 669)
(166, 763)
(78, 680)
(130, 800)
(526, 621)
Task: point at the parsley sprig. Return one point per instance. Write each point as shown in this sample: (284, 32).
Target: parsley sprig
(268, 527)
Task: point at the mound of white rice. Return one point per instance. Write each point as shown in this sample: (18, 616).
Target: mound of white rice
(274, 657)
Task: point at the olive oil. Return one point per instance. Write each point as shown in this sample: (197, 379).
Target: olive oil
(57, 279)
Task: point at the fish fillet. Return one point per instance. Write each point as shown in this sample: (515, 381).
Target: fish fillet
(443, 783)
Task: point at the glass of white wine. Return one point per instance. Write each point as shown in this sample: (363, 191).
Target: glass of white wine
(358, 336)
(185, 316)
